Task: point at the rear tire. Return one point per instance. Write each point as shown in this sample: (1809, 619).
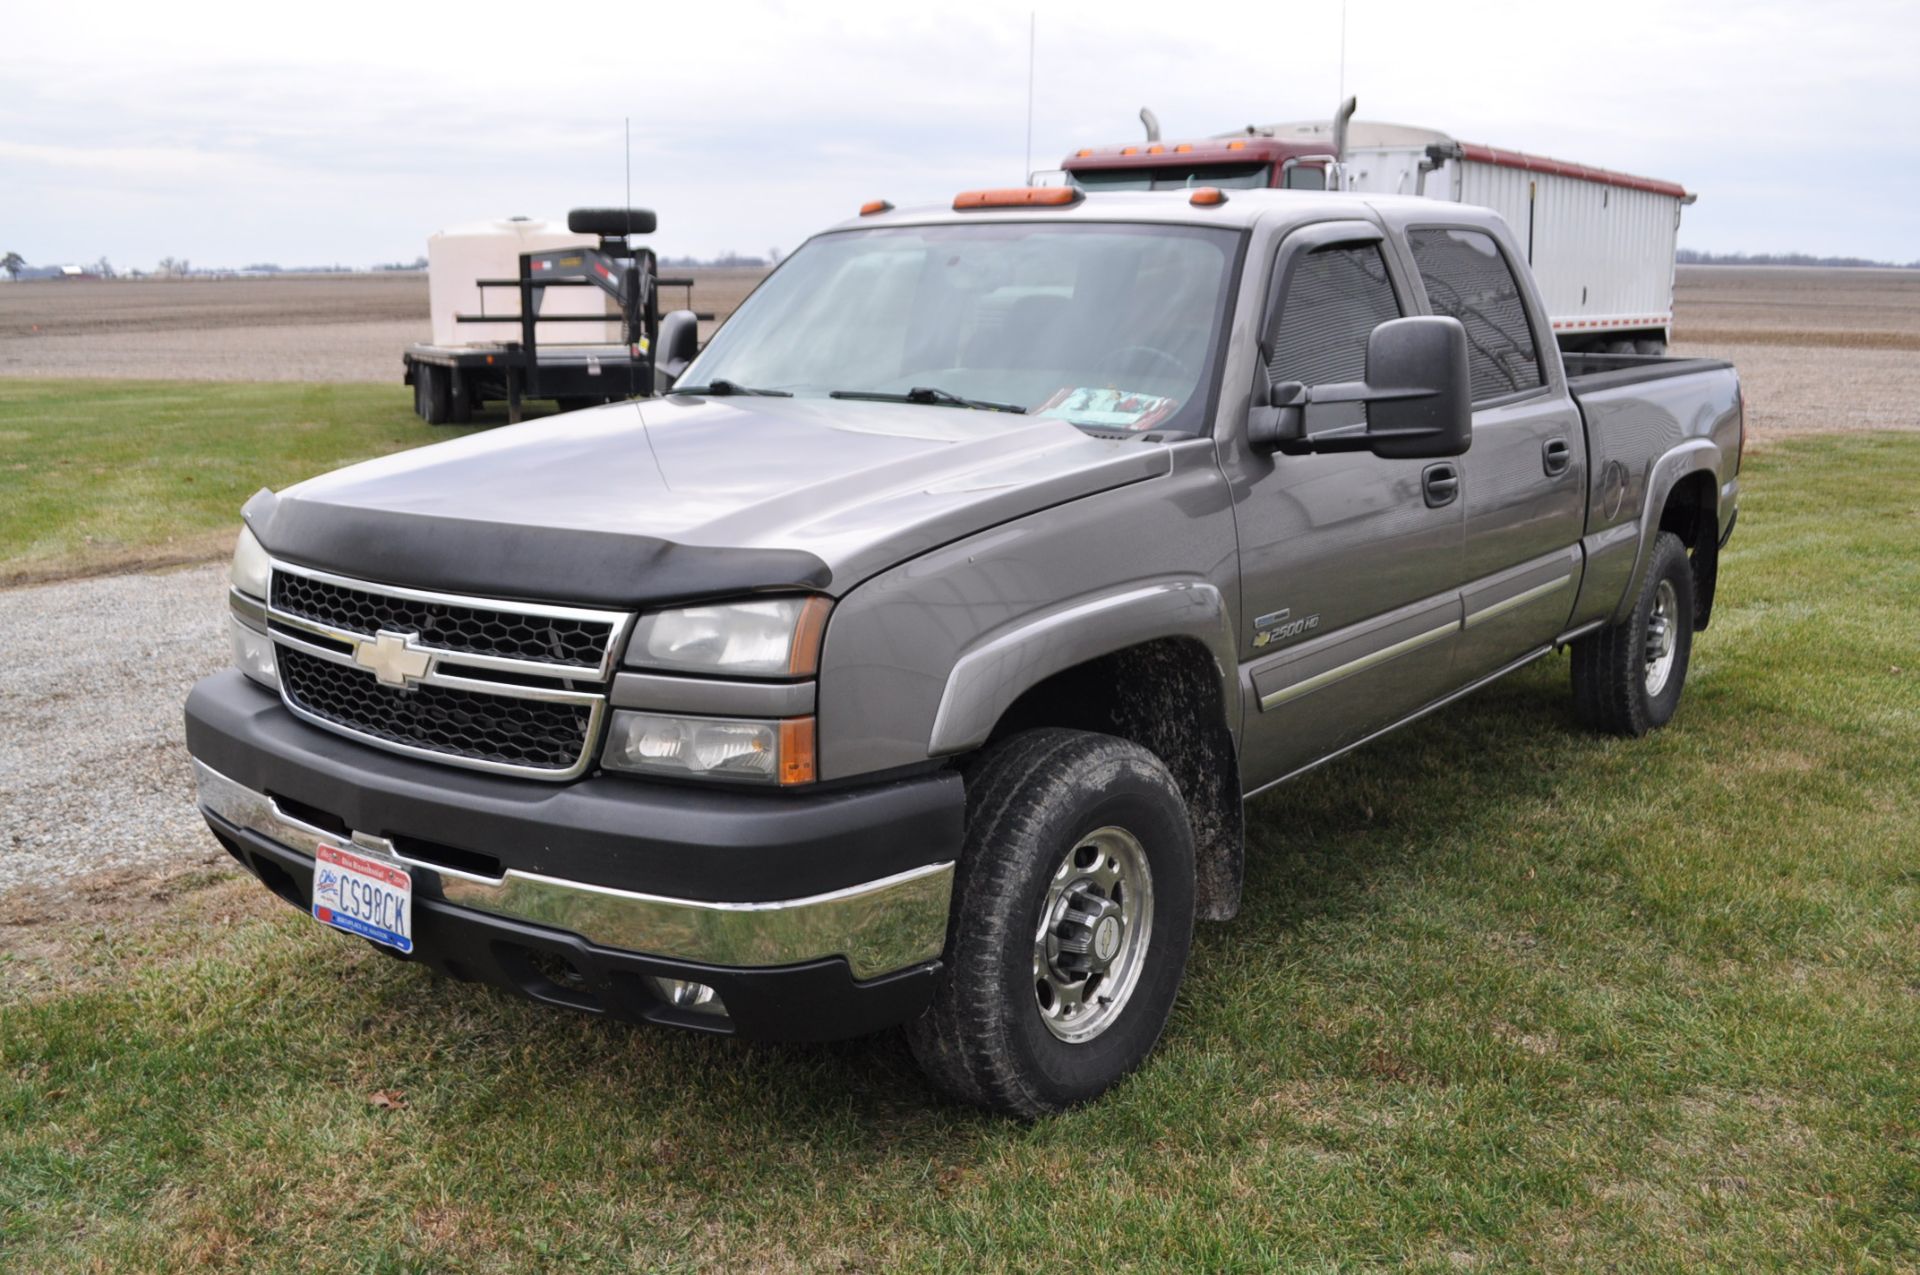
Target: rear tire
(1627, 677)
(1072, 918)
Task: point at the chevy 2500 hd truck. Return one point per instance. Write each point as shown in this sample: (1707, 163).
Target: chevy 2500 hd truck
(910, 661)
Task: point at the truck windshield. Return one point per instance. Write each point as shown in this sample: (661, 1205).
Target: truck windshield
(1107, 325)
(1175, 177)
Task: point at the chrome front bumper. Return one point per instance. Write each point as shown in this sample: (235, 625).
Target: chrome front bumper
(878, 926)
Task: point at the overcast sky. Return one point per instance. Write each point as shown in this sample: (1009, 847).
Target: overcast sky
(347, 132)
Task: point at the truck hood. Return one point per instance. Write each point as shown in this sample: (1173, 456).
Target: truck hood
(686, 497)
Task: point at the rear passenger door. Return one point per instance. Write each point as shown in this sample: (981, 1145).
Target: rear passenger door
(1350, 573)
(1524, 479)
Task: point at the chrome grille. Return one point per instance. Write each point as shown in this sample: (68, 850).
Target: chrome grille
(475, 682)
(448, 626)
(476, 725)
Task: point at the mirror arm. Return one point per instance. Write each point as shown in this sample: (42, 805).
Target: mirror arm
(1278, 419)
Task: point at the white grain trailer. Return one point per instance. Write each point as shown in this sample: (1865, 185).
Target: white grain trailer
(1601, 243)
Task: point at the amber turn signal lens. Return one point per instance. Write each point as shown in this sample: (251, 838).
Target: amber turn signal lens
(808, 630)
(1206, 196)
(796, 751)
(873, 206)
(1017, 197)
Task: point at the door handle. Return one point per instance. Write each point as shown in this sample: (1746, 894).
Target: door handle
(1555, 456)
(1440, 484)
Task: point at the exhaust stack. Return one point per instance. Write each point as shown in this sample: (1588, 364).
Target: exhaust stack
(1152, 122)
(1340, 118)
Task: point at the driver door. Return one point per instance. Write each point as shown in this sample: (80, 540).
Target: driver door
(1350, 563)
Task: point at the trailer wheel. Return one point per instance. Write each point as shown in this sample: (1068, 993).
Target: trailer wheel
(1649, 345)
(459, 397)
(431, 393)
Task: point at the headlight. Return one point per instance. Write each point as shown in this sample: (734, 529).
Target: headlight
(253, 653)
(771, 637)
(760, 752)
(250, 565)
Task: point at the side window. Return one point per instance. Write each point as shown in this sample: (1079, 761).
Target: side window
(1334, 301)
(1467, 279)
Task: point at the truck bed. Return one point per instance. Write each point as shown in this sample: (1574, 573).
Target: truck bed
(1597, 373)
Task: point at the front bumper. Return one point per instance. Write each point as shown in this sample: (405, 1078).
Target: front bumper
(755, 901)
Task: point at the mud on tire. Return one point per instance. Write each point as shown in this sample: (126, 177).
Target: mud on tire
(1072, 837)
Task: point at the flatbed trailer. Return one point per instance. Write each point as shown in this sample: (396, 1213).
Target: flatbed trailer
(451, 380)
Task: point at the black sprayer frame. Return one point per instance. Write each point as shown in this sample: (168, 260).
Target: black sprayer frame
(629, 275)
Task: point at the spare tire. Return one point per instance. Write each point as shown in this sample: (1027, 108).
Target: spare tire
(612, 221)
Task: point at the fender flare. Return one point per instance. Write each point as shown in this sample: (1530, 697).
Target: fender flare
(1695, 456)
(1000, 666)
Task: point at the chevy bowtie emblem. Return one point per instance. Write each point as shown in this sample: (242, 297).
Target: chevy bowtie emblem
(395, 659)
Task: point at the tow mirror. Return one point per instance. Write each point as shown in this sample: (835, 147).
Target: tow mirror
(1417, 396)
(679, 343)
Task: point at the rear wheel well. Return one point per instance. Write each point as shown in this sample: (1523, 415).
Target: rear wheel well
(1164, 695)
(1691, 513)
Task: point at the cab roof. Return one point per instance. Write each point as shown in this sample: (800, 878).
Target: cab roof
(1239, 209)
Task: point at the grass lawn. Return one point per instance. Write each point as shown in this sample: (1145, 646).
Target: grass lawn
(1504, 996)
(101, 475)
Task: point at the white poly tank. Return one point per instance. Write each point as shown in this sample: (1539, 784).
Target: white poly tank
(459, 257)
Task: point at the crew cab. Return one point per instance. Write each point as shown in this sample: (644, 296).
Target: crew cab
(911, 660)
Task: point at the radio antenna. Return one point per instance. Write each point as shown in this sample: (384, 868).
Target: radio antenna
(1026, 174)
(627, 214)
(1341, 96)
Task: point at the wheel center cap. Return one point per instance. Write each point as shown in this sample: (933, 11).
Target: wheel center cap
(1106, 938)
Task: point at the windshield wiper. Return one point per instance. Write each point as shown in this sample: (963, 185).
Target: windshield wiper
(720, 385)
(928, 394)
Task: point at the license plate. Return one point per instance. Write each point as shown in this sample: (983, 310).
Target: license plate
(369, 897)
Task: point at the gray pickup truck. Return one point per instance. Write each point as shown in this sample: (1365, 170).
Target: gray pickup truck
(912, 659)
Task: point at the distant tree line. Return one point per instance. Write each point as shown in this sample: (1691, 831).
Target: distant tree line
(1694, 257)
(729, 258)
(16, 267)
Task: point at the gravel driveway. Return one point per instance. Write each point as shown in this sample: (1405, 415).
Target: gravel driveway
(93, 767)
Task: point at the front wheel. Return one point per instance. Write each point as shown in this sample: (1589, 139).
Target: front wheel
(1072, 916)
(1627, 678)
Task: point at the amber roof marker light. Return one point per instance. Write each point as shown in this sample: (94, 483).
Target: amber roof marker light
(1018, 197)
(873, 206)
(1206, 197)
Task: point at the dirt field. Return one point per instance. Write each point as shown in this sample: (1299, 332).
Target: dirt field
(290, 328)
(1818, 350)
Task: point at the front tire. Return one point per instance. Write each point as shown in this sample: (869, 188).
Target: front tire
(1627, 678)
(1072, 917)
